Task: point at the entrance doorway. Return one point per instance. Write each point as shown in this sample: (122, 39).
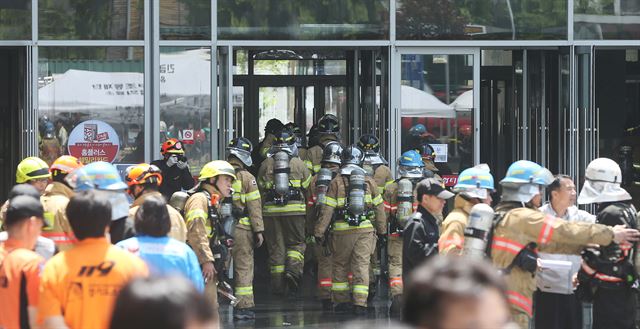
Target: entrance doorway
(13, 103)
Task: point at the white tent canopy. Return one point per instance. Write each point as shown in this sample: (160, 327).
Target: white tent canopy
(464, 102)
(418, 103)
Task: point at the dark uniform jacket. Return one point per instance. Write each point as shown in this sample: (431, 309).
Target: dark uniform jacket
(173, 178)
(420, 240)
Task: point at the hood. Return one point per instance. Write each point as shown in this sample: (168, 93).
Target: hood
(519, 192)
(477, 193)
(599, 192)
(374, 159)
(119, 204)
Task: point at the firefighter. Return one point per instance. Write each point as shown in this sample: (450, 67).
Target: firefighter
(202, 214)
(359, 214)
(143, 181)
(521, 230)
(50, 148)
(400, 203)
(272, 127)
(283, 179)
(315, 194)
(428, 157)
(248, 233)
(54, 201)
(328, 131)
(608, 277)
(474, 186)
(33, 171)
(174, 168)
(300, 140)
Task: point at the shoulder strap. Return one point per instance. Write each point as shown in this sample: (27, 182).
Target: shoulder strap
(497, 218)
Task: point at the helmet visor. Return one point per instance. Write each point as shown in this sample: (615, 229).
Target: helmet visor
(242, 155)
(410, 172)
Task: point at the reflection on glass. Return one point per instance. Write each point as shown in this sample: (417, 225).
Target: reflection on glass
(606, 19)
(298, 20)
(309, 105)
(437, 92)
(185, 20)
(278, 103)
(472, 19)
(91, 103)
(185, 101)
(91, 20)
(300, 67)
(15, 20)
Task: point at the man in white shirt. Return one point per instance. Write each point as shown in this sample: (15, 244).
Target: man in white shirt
(556, 305)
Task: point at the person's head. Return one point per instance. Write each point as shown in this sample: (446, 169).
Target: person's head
(273, 126)
(142, 178)
(240, 148)
(24, 219)
(34, 171)
(410, 165)
(23, 189)
(351, 158)
(62, 167)
(152, 218)
(476, 184)
(562, 192)
(524, 182)
(331, 155)
(328, 124)
(602, 183)
(220, 174)
(432, 195)
(172, 147)
(162, 303)
(453, 293)
(89, 213)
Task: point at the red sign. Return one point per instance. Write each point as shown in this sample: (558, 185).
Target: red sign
(94, 140)
(450, 180)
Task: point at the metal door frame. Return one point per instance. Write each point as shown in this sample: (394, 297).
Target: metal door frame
(395, 99)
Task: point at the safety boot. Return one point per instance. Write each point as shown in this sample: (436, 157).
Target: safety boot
(326, 305)
(342, 308)
(244, 314)
(360, 310)
(395, 310)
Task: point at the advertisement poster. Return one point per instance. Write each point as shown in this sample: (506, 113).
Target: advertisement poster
(442, 151)
(94, 140)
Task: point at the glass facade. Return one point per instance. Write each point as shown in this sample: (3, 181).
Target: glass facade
(15, 20)
(594, 20)
(185, 20)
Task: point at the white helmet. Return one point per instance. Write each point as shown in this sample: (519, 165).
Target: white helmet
(602, 183)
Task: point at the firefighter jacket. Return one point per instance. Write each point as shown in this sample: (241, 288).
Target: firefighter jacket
(174, 179)
(200, 230)
(313, 209)
(521, 226)
(390, 198)
(382, 176)
(246, 199)
(337, 201)
(265, 146)
(54, 202)
(314, 154)
(178, 226)
(299, 179)
(451, 240)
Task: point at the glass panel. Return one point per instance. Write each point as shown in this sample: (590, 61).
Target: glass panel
(303, 20)
(15, 20)
(278, 103)
(300, 67)
(185, 20)
(479, 20)
(335, 100)
(606, 19)
(309, 107)
(91, 20)
(185, 101)
(91, 103)
(437, 92)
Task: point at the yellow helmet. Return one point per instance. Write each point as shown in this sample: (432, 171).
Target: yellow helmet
(31, 168)
(217, 168)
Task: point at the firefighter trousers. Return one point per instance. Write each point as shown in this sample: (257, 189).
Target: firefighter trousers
(324, 271)
(394, 251)
(285, 241)
(242, 254)
(353, 251)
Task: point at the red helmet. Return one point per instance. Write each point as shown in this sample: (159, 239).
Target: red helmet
(172, 146)
(465, 130)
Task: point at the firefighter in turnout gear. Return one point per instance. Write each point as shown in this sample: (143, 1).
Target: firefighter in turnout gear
(474, 186)
(328, 131)
(33, 171)
(54, 201)
(202, 213)
(608, 277)
(272, 127)
(249, 228)
(359, 214)
(400, 203)
(174, 168)
(283, 179)
(315, 195)
(143, 181)
(521, 230)
(300, 140)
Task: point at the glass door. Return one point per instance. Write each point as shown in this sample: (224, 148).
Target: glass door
(436, 88)
(584, 117)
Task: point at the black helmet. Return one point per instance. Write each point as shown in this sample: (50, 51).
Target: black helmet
(328, 124)
(284, 136)
(353, 155)
(332, 153)
(427, 152)
(297, 132)
(273, 126)
(241, 148)
(369, 142)
(313, 137)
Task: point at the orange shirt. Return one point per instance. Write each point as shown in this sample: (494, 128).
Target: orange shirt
(82, 283)
(19, 281)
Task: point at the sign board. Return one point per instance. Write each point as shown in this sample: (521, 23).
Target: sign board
(450, 180)
(442, 151)
(94, 140)
(187, 136)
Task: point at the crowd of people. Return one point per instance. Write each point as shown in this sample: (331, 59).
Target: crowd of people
(76, 253)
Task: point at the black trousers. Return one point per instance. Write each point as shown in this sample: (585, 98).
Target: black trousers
(614, 308)
(556, 311)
